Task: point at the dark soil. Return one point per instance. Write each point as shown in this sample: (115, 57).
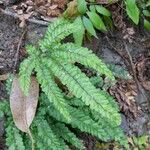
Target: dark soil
(109, 47)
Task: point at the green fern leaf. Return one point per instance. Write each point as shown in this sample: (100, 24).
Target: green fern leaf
(83, 122)
(80, 85)
(52, 91)
(55, 33)
(26, 69)
(62, 131)
(47, 136)
(53, 59)
(14, 139)
(72, 53)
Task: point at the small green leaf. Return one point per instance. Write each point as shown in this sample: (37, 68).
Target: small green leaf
(102, 10)
(108, 21)
(82, 7)
(92, 8)
(146, 13)
(132, 10)
(97, 21)
(147, 25)
(89, 26)
(142, 140)
(78, 35)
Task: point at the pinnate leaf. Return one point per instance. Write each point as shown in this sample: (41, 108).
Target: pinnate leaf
(89, 26)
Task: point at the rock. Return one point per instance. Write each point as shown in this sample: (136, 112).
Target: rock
(1, 127)
(9, 2)
(124, 124)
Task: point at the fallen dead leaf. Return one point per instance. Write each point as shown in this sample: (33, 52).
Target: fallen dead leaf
(3, 77)
(23, 107)
(125, 93)
(143, 72)
(72, 10)
(61, 3)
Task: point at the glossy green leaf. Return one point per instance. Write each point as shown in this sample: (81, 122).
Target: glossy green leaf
(89, 26)
(78, 35)
(132, 10)
(97, 21)
(147, 25)
(82, 7)
(102, 10)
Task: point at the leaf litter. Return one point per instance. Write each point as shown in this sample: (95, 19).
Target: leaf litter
(23, 107)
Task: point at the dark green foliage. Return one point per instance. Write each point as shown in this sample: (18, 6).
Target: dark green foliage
(14, 137)
(92, 15)
(119, 71)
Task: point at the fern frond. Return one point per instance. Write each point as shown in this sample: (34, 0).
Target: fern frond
(25, 72)
(79, 84)
(97, 81)
(52, 91)
(55, 33)
(113, 130)
(81, 121)
(62, 131)
(4, 108)
(53, 59)
(76, 102)
(48, 138)
(14, 139)
(103, 130)
(72, 53)
(119, 71)
(32, 51)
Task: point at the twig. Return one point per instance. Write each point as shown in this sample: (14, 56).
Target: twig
(35, 21)
(140, 89)
(18, 48)
(131, 63)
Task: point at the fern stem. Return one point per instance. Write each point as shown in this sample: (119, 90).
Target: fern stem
(31, 138)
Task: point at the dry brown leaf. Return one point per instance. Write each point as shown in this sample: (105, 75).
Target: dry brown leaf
(40, 2)
(23, 107)
(3, 77)
(125, 93)
(61, 3)
(143, 72)
(23, 19)
(53, 12)
(71, 10)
